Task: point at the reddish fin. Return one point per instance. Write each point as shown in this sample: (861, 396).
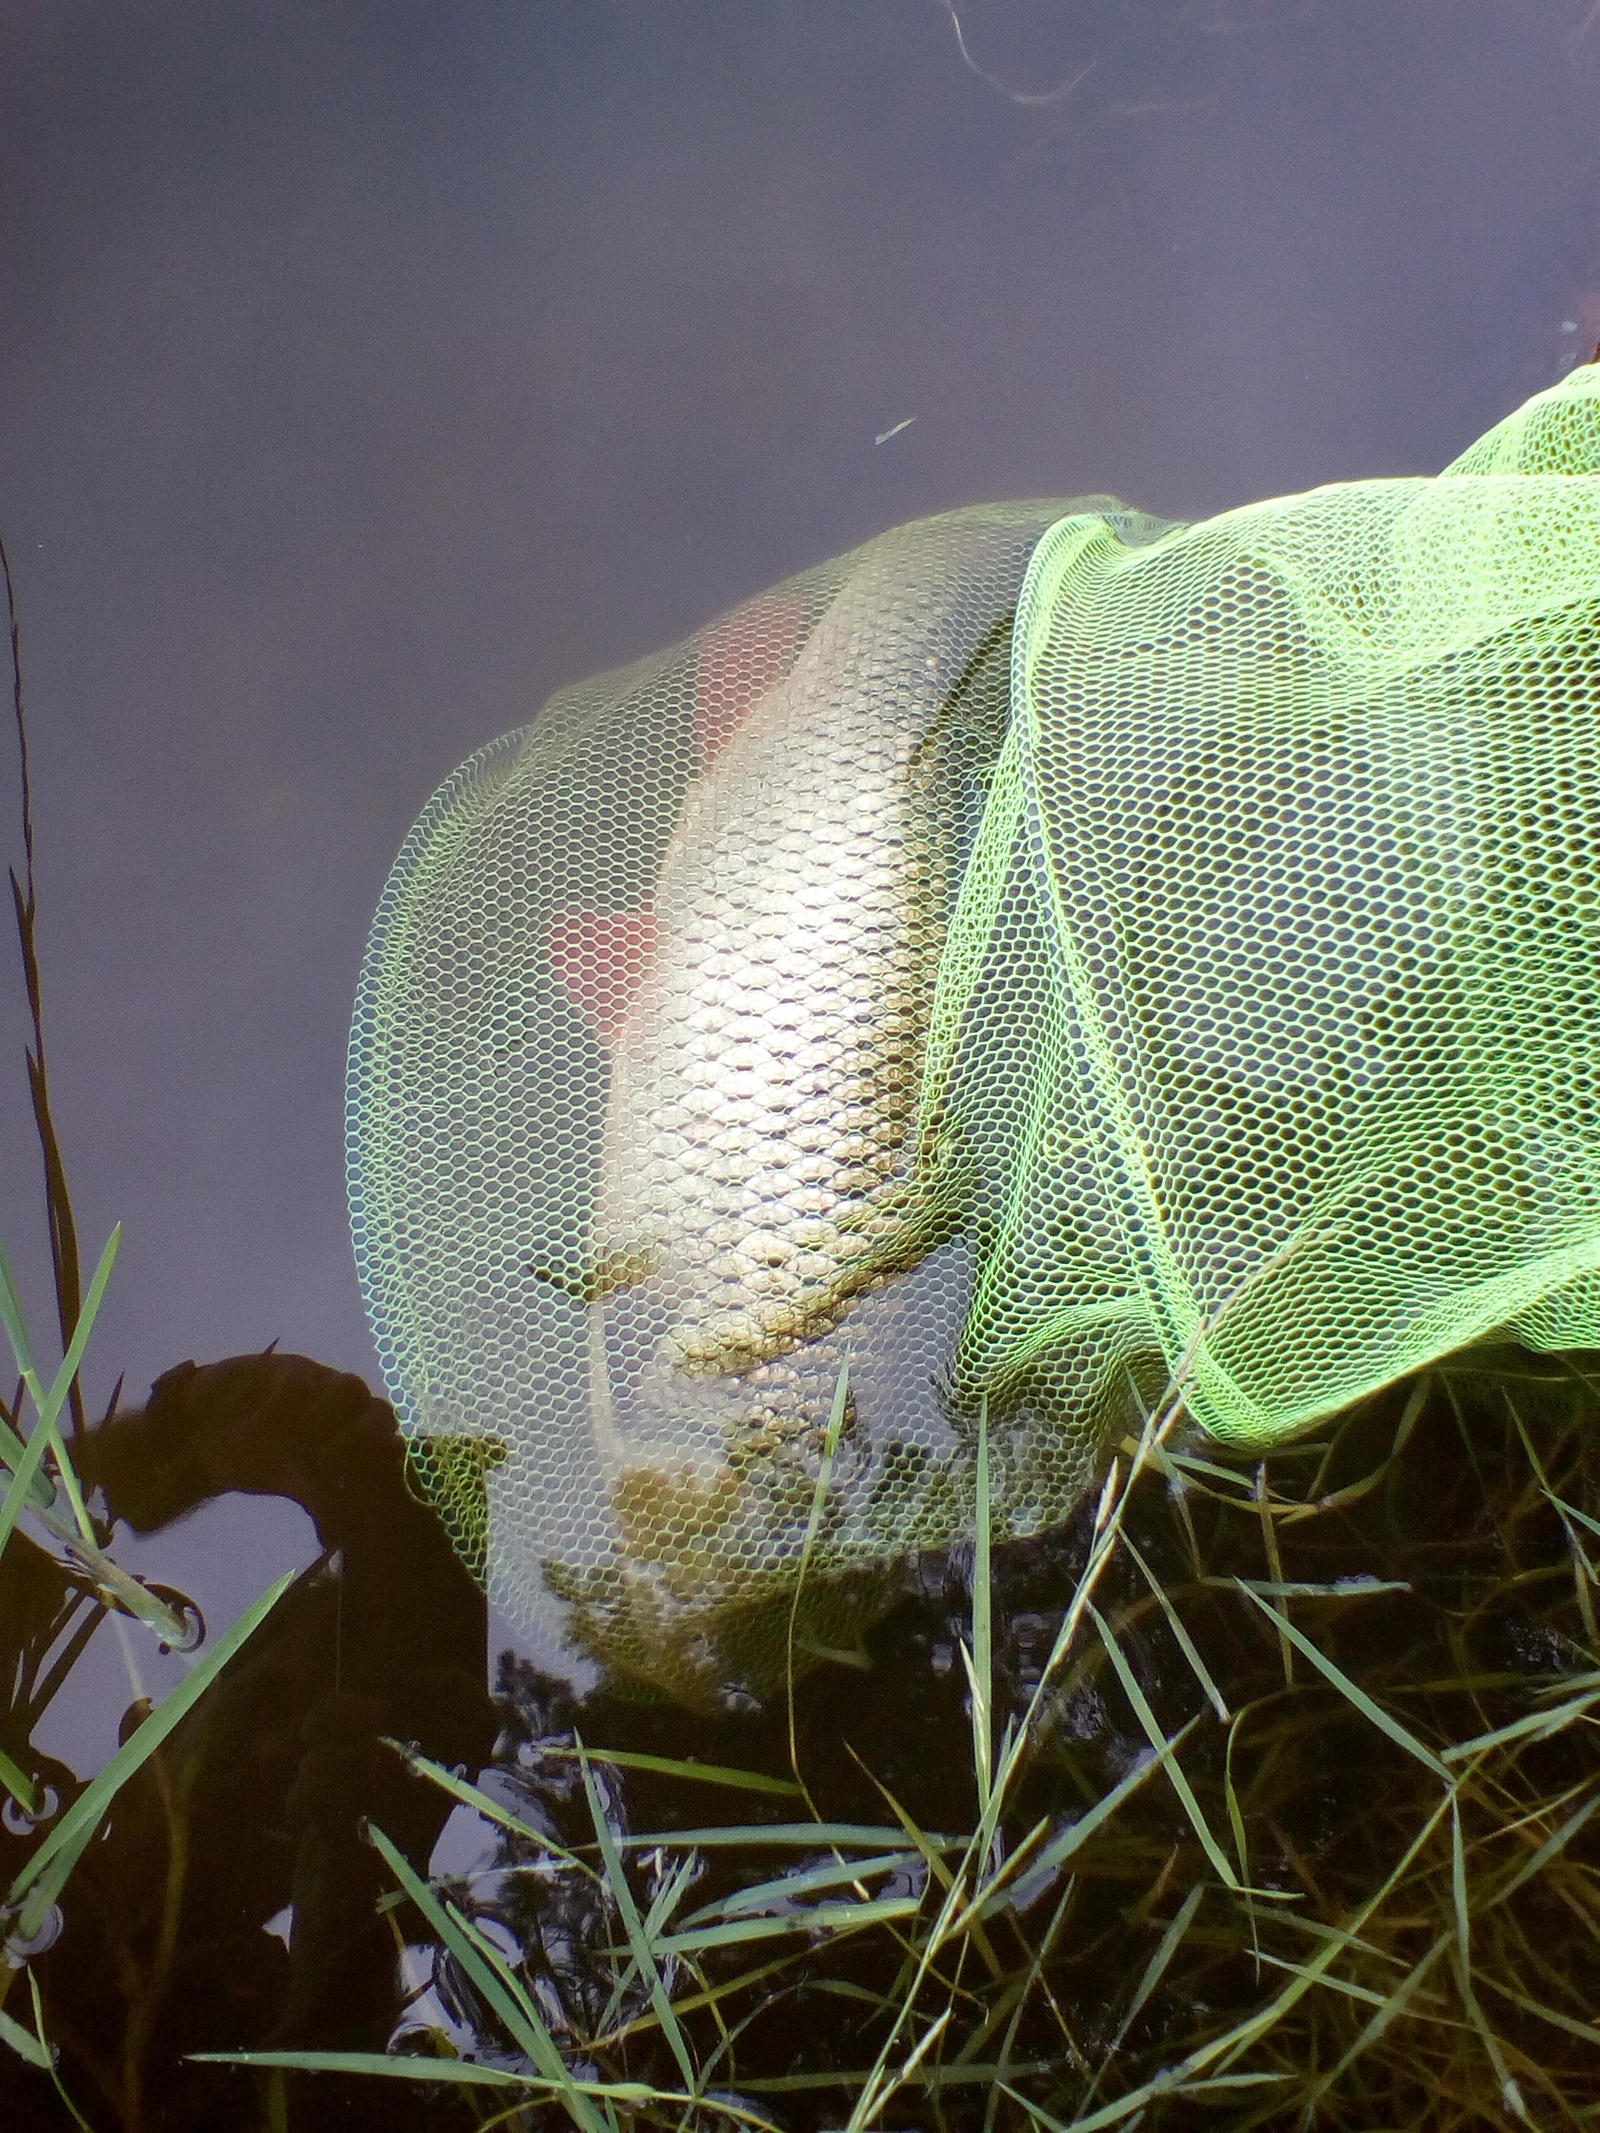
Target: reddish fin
(741, 658)
(601, 958)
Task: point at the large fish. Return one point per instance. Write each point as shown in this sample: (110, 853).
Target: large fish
(760, 1176)
(639, 1153)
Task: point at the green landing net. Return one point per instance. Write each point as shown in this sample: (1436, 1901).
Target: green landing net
(1043, 944)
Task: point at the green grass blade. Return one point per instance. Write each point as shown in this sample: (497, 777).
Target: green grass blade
(1353, 1588)
(23, 2042)
(13, 1451)
(1316, 1930)
(68, 1836)
(1156, 1968)
(1072, 1839)
(946, 2075)
(1369, 1710)
(73, 2112)
(1015, 1870)
(1186, 1643)
(1458, 1888)
(933, 1945)
(1239, 2039)
(49, 1404)
(1510, 2092)
(501, 1991)
(1167, 2084)
(1008, 2068)
(16, 1325)
(1461, 1963)
(1570, 2023)
(1154, 1971)
(401, 2066)
(18, 1783)
(1572, 1511)
(819, 1497)
(1177, 1495)
(459, 1788)
(809, 1836)
(691, 1773)
(669, 1894)
(729, 1988)
(1572, 1683)
(26, 1482)
(675, 1884)
(834, 1919)
(1189, 1463)
(1557, 1502)
(980, 1663)
(789, 1886)
(1326, 1979)
(876, 2100)
(643, 1954)
(72, 1362)
(461, 2073)
(1269, 1546)
(1353, 1492)
(76, 1533)
(1159, 1423)
(1537, 1724)
(1241, 1840)
(1547, 1851)
(55, 1399)
(1158, 1740)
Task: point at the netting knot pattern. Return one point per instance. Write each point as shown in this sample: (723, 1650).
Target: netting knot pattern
(1042, 944)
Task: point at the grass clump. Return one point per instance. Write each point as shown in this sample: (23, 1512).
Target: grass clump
(1278, 1804)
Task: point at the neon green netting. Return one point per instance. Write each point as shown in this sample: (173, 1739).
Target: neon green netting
(1291, 856)
(1041, 943)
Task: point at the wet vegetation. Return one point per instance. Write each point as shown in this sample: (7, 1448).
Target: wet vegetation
(1271, 1793)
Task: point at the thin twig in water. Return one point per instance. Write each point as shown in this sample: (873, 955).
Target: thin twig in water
(1056, 95)
(58, 1200)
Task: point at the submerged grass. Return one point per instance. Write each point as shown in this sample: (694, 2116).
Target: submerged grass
(1295, 1824)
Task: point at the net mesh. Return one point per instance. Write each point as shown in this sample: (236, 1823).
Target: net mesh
(1043, 944)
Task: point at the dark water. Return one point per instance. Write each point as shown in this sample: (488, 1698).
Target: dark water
(364, 375)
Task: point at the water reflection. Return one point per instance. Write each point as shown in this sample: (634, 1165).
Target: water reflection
(1427, 1544)
(252, 1810)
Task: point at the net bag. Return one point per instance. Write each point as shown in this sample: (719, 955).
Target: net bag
(1041, 945)
(634, 1085)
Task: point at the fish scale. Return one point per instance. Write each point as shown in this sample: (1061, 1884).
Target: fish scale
(757, 1142)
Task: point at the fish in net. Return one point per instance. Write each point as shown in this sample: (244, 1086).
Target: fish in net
(1045, 943)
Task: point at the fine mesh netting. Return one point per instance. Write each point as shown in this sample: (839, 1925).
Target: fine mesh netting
(1042, 944)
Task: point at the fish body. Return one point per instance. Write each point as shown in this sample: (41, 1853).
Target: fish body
(760, 1173)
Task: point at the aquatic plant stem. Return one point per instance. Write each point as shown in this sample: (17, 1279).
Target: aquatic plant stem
(64, 1259)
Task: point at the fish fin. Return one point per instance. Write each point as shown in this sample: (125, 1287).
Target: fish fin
(623, 1267)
